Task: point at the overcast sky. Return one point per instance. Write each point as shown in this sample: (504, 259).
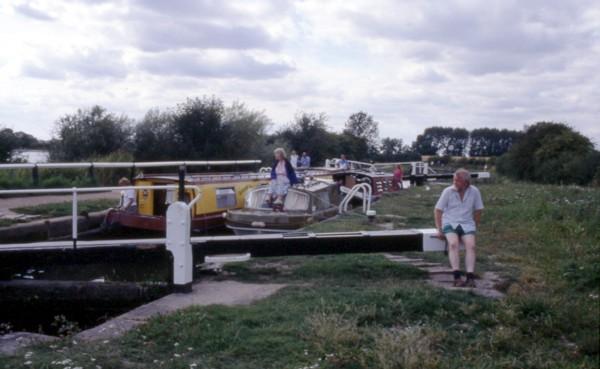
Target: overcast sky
(411, 64)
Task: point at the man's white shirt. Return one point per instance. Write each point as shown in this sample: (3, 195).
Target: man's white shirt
(460, 212)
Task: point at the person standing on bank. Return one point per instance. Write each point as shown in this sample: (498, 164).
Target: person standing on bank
(397, 179)
(457, 215)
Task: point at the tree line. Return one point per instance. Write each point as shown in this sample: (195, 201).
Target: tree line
(11, 140)
(206, 128)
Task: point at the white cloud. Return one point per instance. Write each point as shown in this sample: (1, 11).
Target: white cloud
(410, 63)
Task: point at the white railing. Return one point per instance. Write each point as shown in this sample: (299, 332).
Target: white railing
(352, 164)
(75, 190)
(416, 167)
(178, 224)
(133, 164)
(366, 197)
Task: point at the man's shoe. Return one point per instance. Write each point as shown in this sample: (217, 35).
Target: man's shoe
(470, 283)
(458, 283)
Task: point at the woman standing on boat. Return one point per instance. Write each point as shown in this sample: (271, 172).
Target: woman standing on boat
(283, 176)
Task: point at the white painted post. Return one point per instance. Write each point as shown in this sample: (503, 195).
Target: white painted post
(74, 219)
(180, 246)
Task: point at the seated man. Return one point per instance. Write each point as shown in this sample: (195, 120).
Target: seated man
(457, 216)
(128, 198)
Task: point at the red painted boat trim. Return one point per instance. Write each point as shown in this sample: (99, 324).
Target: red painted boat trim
(157, 223)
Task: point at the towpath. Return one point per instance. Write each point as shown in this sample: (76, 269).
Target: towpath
(15, 202)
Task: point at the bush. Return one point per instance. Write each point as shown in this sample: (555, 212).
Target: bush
(110, 176)
(551, 153)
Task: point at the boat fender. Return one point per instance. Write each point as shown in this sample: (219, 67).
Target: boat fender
(258, 224)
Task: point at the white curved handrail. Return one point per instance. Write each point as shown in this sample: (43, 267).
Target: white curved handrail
(366, 190)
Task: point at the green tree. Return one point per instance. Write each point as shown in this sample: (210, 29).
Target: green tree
(197, 129)
(491, 141)
(390, 149)
(245, 133)
(90, 133)
(153, 137)
(200, 129)
(551, 152)
(365, 129)
(442, 141)
(7, 144)
(11, 140)
(309, 133)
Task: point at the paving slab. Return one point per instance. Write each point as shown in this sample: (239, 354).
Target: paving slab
(203, 293)
(424, 264)
(441, 276)
(438, 269)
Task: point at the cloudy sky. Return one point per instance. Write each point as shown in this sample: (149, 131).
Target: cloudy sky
(411, 64)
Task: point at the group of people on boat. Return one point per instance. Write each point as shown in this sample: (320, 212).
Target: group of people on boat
(283, 175)
(299, 161)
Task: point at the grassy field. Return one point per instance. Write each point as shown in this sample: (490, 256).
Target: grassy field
(59, 209)
(363, 311)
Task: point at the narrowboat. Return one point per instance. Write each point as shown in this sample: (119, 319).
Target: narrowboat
(219, 192)
(310, 202)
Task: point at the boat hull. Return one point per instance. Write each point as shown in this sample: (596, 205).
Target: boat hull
(267, 222)
(117, 218)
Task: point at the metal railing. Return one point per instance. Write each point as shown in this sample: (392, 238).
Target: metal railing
(74, 191)
(417, 167)
(91, 166)
(366, 197)
(139, 164)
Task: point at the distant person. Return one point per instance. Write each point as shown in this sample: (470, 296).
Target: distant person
(343, 162)
(294, 159)
(398, 175)
(305, 160)
(457, 215)
(128, 198)
(283, 176)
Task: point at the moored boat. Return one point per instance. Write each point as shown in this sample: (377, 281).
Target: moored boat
(219, 193)
(305, 204)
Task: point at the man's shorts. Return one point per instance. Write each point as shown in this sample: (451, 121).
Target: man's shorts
(458, 230)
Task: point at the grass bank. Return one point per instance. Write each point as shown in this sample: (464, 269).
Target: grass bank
(65, 208)
(363, 311)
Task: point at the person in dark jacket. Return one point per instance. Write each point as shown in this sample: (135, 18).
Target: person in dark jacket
(283, 176)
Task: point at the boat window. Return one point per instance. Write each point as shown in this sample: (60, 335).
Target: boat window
(170, 197)
(296, 201)
(225, 197)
